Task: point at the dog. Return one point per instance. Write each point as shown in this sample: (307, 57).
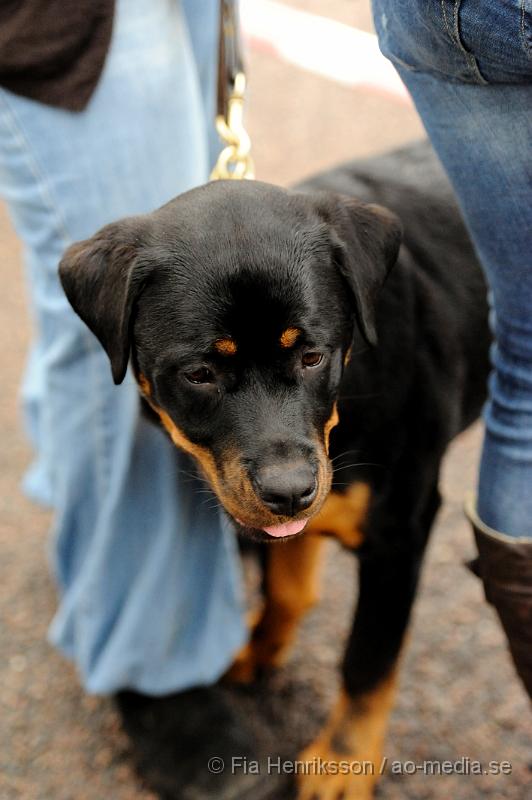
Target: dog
(314, 350)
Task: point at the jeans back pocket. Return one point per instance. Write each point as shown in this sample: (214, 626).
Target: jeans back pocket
(498, 36)
(464, 41)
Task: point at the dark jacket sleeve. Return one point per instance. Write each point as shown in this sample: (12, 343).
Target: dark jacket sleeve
(54, 51)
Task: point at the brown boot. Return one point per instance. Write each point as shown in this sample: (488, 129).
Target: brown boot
(505, 566)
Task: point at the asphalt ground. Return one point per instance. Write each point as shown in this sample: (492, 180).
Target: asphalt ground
(458, 699)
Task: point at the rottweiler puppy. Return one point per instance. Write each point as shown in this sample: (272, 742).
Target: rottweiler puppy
(316, 387)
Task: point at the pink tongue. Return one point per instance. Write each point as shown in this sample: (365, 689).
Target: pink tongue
(287, 528)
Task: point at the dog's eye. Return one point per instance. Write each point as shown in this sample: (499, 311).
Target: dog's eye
(199, 376)
(311, 359)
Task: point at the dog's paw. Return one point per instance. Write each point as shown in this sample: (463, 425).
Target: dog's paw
(329, 775)
(333, 787)
(345, 761)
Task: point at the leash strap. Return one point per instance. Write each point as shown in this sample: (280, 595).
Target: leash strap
(234, 162)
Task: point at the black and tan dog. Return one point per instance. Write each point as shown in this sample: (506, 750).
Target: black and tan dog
(257, 319)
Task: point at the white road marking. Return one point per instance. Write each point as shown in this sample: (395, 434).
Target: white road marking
(320, 45)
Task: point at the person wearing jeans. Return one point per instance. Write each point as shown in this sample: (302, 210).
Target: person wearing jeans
(148, 572)
(107, 110)
(468, 67)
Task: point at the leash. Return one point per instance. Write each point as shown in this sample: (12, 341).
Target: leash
(234, 162)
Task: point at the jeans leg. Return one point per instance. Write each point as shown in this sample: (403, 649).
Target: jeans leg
(486, 153)
(148, 573)
(482, 132)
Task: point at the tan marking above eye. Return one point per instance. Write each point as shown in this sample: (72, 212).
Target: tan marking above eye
(226, 347)
(289, 337)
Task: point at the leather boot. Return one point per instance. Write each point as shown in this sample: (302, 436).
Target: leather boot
(505, 566)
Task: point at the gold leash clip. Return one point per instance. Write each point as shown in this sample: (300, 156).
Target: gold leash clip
(234, 162)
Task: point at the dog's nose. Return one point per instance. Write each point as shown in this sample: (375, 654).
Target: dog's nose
(286, 490)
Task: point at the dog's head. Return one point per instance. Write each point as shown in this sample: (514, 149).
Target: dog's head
(237, 303)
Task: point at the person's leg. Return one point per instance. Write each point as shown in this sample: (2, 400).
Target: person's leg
(473, 92)
(484, 138)
(148, 572)
(476, 114)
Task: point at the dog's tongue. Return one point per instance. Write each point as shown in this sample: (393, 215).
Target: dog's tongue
(286, 529)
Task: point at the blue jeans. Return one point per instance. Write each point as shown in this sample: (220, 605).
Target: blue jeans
(468, 66)
(148, 572)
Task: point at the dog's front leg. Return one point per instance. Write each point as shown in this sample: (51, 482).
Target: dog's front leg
(290, 589)
(346, 759)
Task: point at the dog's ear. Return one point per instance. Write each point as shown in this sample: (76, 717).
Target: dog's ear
(365, 240)
(102, 279)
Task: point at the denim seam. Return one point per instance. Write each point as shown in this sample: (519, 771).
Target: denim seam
(524, 28)
(454, 36)
(470, 59)
(444, 16)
